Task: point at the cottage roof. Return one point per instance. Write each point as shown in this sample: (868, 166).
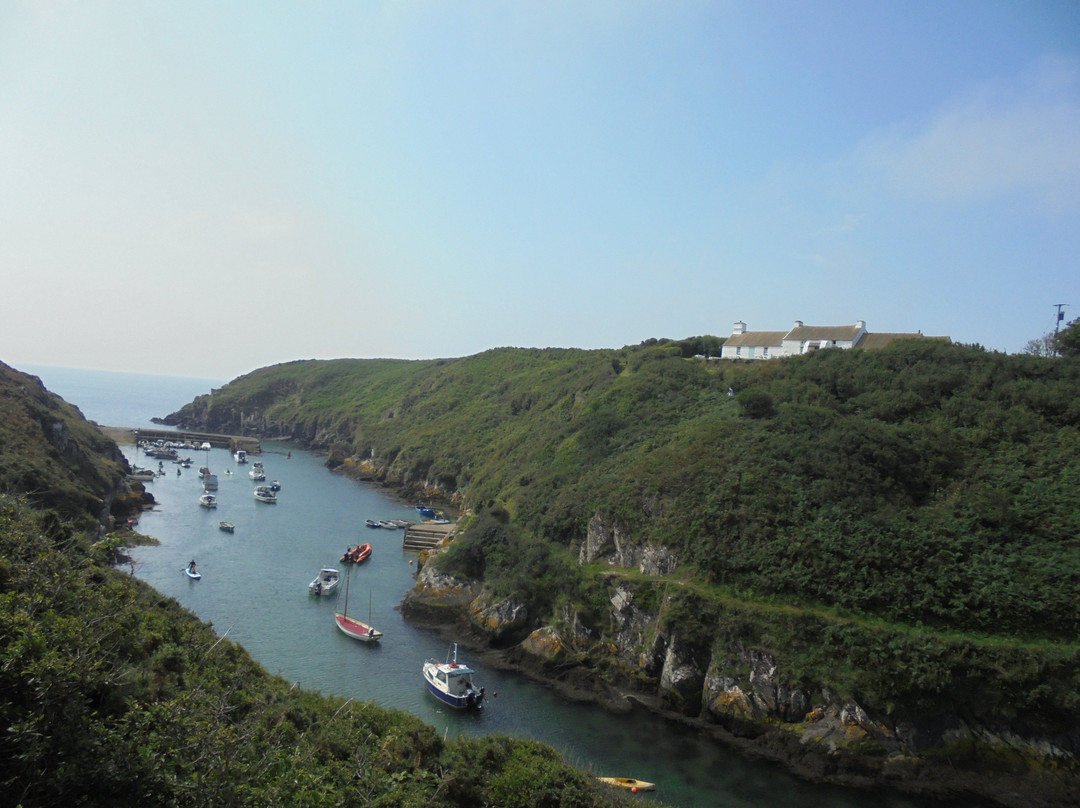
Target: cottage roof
(829, 332)
(881, 340)
(755, 338)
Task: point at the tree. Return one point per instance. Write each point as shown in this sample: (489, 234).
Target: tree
(1067, 342)
(1043, 346)
(756, 403)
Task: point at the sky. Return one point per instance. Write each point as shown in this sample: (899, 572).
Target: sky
(207, 188)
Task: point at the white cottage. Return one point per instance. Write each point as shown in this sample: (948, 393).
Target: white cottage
(800, 339)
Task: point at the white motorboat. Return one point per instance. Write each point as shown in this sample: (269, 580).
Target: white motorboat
(208, 501)
(326, 582)
(240, 456)
(452, 683)
(264, 494)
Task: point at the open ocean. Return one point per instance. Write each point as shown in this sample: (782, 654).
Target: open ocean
(121, 399)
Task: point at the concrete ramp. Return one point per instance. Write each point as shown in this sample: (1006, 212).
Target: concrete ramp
(426, 536)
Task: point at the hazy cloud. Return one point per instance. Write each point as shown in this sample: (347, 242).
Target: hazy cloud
(1022, 136)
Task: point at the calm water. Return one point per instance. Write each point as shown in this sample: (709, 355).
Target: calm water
(121, 399)
(254, 590)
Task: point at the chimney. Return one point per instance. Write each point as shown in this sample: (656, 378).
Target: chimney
(740, 328)
(860, 324)
(798, 324)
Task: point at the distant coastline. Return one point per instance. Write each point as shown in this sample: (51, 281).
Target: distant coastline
(103, 396)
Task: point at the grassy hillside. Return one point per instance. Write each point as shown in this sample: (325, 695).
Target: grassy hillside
(925, 483)
(895, 527)
(112, 695)
(49, 453)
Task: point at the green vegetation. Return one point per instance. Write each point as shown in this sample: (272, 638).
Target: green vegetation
(111, 694)
(50, 454)
(900, 525)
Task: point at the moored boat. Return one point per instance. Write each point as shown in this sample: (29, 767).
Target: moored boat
(275, 485)
(371, 523)
(351, 626)
(356, 554)
(325, 583)
(452, 683)
(228, 527)
(208, 501)
(629, 783)
(209, 482)
(240, 456)
(387, 524)
(264, 494)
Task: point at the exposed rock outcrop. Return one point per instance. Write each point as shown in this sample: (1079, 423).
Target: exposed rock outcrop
(605, 538)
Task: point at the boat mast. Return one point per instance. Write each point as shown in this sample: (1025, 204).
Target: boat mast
(348, 578)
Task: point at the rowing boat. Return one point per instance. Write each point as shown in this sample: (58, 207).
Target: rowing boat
(629, 783)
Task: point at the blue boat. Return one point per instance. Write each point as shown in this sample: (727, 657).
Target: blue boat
(425, 511)
(451, 683)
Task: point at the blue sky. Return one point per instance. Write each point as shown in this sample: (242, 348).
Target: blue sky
(204, 189)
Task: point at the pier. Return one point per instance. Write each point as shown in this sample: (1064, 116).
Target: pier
(123, 434)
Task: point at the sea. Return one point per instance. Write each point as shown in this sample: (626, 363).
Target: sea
(254, 591)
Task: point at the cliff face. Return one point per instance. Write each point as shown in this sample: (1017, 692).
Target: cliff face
(49, 452)
(746, 694)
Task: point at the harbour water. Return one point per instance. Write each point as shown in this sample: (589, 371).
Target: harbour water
(254, 591)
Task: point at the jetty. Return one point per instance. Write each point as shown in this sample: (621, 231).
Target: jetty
(426, 536)
(128, 435)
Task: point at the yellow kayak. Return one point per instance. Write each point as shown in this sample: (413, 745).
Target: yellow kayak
(629, 783)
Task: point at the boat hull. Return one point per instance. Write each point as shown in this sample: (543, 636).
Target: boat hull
(457, 702)
(356, 629)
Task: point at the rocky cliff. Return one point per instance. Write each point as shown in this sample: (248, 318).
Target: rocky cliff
(741, 692)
